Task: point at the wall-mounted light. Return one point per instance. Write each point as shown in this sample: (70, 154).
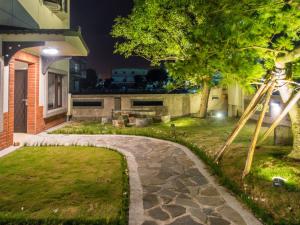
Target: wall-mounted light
(275, 109)
(50, 51)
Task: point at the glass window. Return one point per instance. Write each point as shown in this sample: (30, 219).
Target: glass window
(54, 91)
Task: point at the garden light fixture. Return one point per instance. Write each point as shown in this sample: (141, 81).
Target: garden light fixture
(278, 181)
(219, 115)
(275, 109)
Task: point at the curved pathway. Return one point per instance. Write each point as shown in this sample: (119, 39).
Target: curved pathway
(168, 183)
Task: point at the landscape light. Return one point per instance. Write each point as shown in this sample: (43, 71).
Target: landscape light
(275, 109)
(50, 51)
(219, 115)
(278, 181)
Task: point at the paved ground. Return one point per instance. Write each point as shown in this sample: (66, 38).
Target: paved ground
(169, 185)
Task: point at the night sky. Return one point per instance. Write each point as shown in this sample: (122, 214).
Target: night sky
(96, 19)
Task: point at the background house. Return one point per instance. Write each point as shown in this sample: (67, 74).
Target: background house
(34, 67)
(126, 76)
(78, 67)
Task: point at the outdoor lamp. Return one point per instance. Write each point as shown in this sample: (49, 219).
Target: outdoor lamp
(275, 109)
(50, 51)
(278, 181)
(219, 115)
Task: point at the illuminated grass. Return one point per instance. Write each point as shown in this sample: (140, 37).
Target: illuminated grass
(63, 185)
(275, 205)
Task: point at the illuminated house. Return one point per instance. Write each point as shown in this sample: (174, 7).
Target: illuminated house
(126, 75)
(36, 45)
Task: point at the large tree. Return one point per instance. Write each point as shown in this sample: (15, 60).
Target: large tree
(242, 40)
(267, 31)
(162, 31)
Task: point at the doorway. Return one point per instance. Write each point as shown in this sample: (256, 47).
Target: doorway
(20, 101)
(117, 104)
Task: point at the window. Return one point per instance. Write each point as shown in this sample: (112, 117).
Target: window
(88, 103)
(76, 67)
(147, 103)
(54, 91)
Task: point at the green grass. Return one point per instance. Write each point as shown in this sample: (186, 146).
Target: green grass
(63, 185)
(205, 137)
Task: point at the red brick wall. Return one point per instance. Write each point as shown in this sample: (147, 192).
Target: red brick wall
(35, 120)
(6, 137)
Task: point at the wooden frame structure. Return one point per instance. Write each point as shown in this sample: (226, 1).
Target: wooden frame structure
(262, 96)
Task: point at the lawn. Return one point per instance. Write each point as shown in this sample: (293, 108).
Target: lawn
(63, 185)
(274, 205)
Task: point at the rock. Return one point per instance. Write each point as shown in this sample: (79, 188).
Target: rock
(150, 201)
(196, 176)
(149, 223)
(165, 119)
(198, 213)
(218, 221)
(210, 191)
(175, 210)
(186, 220)
(158, 214)
(167, 193)
(151, 189)
(231, 215)
(118, 123)
(143, 122)
(165, 173)
(211, 201)
(186, 202)
(105, 120)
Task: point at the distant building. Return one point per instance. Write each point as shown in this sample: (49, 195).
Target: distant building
(126, 76)
(78, 67)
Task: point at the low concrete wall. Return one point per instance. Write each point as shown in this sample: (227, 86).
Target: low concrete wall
(175, 105)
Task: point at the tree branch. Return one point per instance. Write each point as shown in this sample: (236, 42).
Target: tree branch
(263, 48)
(289, 57)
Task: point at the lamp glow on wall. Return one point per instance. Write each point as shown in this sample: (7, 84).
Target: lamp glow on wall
(50, 51)
(275, 109)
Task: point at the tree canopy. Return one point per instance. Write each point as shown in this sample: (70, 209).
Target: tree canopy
(242, 40)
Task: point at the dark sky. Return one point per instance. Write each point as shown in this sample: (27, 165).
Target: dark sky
(96, 18)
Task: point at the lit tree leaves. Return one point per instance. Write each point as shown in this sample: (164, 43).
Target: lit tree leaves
(239, 39)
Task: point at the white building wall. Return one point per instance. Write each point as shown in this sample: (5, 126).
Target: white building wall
(45, 18)
(5, 88)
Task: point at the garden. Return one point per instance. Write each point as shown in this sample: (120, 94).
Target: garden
(63, 185)
(273, 204)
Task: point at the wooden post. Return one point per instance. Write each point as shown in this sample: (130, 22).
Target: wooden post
(291, 103)
(251, 108)
(259, 92)
(256, 132)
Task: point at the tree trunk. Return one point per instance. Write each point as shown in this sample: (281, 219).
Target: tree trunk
(286, 92)
(294, 113)
(204, 100)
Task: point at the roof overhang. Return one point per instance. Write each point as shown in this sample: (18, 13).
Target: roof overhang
(68, 43)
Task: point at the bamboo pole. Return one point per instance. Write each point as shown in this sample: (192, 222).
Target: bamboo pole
(253, 101)
(256, 132)
(243, 120)
(291, 103)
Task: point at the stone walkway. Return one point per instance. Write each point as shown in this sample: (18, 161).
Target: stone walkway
(168, 183)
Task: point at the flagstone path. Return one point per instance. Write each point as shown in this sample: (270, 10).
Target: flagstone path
(168, 183)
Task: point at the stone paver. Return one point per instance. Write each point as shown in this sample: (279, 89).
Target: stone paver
(168, 184)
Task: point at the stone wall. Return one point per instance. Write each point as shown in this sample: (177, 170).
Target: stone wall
(177, 105)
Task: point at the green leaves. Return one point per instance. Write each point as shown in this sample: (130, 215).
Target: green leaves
(240, 39)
